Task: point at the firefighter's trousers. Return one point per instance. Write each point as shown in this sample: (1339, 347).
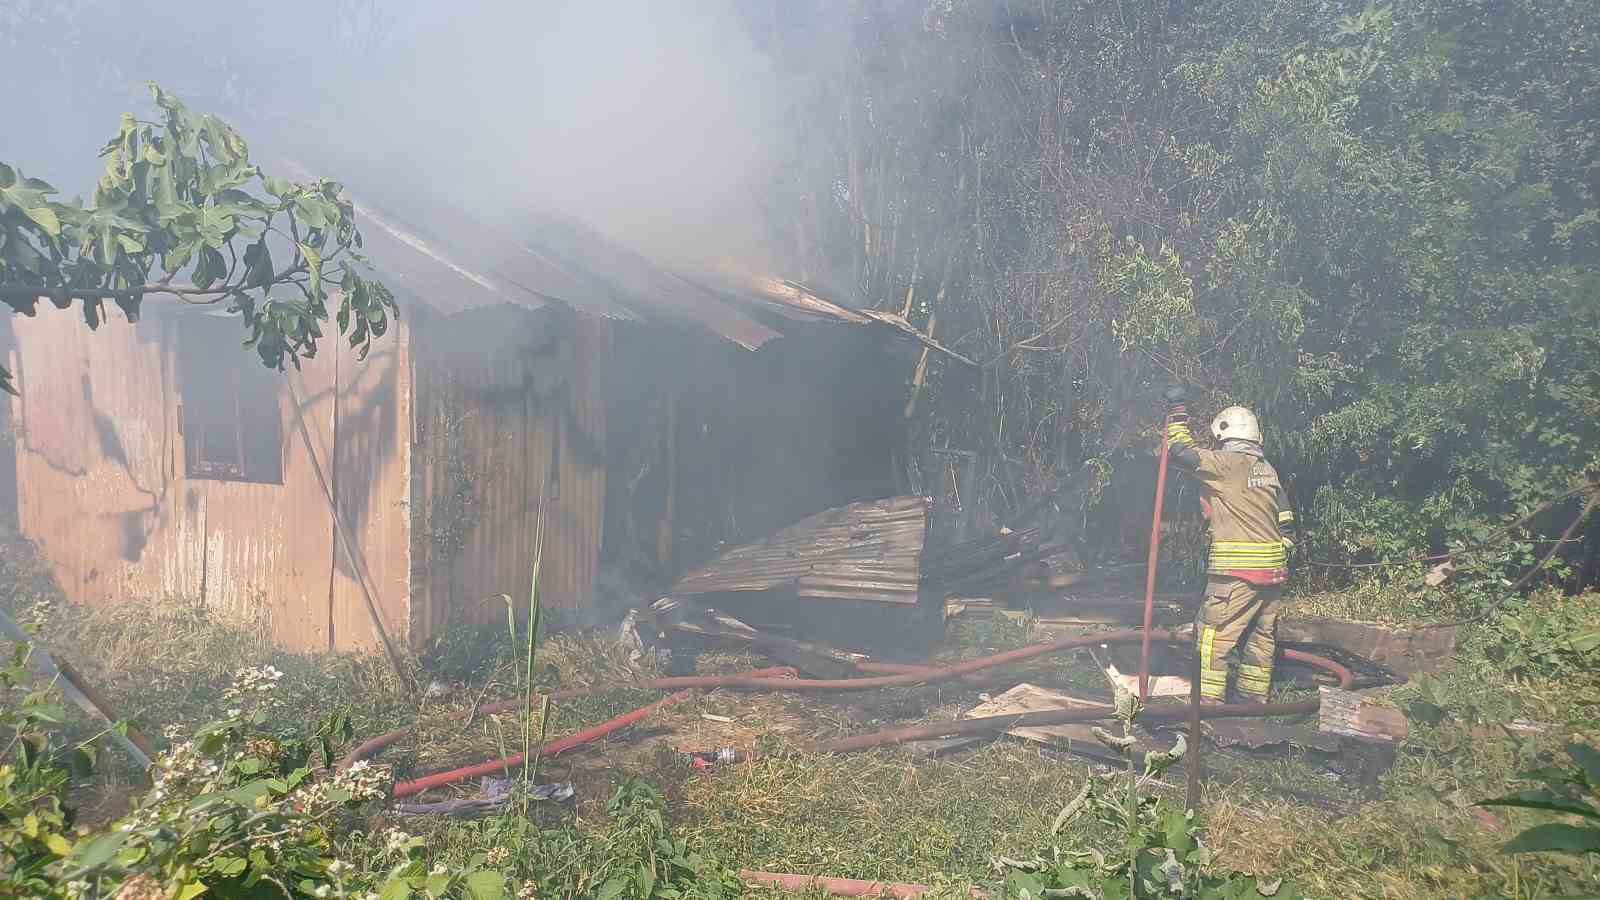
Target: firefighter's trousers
(1236, 612)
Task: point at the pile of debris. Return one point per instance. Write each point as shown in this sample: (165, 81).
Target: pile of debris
(874, 553)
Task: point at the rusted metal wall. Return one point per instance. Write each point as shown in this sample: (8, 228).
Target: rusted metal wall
(102, 491)
(510, 406)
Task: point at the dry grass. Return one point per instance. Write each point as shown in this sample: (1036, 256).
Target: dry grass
(884, 814)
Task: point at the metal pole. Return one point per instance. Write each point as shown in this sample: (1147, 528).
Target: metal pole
(1150, 568)
(1192, 761)
(45, 667)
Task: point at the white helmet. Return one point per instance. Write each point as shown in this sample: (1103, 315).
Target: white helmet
(1236, 424)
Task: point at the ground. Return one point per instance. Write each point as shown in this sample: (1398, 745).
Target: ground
(888, 814)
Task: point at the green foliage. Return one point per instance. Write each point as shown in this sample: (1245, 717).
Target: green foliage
(1547, 635)
(1374, 223)
(650, 861)
(180, 197)
(1165, 856)
(1168, 859)
(35, 822)
(1572, 791)
(1158, 297)
(233, 812)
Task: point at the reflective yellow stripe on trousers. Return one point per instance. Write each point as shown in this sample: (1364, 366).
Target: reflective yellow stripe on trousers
(1255, 680)
(1213, 681)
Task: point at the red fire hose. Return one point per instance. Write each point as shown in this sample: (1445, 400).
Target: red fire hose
(1150, 569)
(1159, 713)
(373, 746)
(440, 779)
(755, 681)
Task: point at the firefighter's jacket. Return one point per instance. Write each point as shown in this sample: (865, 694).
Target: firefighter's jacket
(1245, 503)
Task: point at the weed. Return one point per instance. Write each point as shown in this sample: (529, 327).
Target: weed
(1162, 854)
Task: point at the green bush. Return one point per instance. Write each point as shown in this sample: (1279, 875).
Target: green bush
(234, 812)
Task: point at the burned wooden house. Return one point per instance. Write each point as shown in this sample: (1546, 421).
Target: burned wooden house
(662, 419)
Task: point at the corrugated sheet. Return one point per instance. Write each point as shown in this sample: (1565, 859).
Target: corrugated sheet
(101, 486)
(452, 263)
(371, 475)
(501, 417)
(864, 551)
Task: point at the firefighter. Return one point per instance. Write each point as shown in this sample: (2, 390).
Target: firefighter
(1251, 528)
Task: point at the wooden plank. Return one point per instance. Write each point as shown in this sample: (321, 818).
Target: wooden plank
(863, 551)
(1404, 651)
(1353, 715)
(1074, 738)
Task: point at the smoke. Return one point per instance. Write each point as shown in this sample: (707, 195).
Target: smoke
(661, 122)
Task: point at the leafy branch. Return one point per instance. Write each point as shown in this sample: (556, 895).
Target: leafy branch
(181, 211)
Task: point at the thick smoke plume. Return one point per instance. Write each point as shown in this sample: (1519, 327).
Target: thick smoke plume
(662, 122)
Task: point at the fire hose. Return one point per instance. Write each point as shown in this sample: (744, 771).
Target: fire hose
(763, 680)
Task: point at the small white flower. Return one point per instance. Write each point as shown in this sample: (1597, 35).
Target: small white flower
(338, 867)
(322, 891)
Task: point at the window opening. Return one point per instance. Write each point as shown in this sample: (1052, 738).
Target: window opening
(230, 415)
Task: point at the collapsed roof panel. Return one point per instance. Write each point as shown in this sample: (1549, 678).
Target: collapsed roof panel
(451, 263)
(864, 551)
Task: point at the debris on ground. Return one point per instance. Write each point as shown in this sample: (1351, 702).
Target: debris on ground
(1404, 652)
(864, 551)
(1354, 715)
(1156, 685)
(1073, 738)
(493, 796)
(816, 660)
(1265, 735)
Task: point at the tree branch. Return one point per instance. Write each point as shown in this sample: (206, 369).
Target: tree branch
(67, 294)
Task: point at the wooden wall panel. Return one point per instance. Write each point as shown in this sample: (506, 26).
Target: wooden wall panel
(102, 492)
(500, 410)
(371, 476)
(95, 459)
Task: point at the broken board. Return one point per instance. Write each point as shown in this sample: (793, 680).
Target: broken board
(1074, 738)
(868, 551)
(1353, 715)
(1403, 651)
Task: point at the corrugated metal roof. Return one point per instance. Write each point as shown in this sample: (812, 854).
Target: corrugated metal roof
(449, 262)
(864, 551)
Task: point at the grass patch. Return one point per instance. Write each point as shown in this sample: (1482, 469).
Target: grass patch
(885, 814)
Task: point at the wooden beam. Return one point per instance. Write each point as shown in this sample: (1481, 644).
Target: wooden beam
(1404, 651)
(1353, 715)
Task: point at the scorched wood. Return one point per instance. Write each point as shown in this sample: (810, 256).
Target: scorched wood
(864, 551)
